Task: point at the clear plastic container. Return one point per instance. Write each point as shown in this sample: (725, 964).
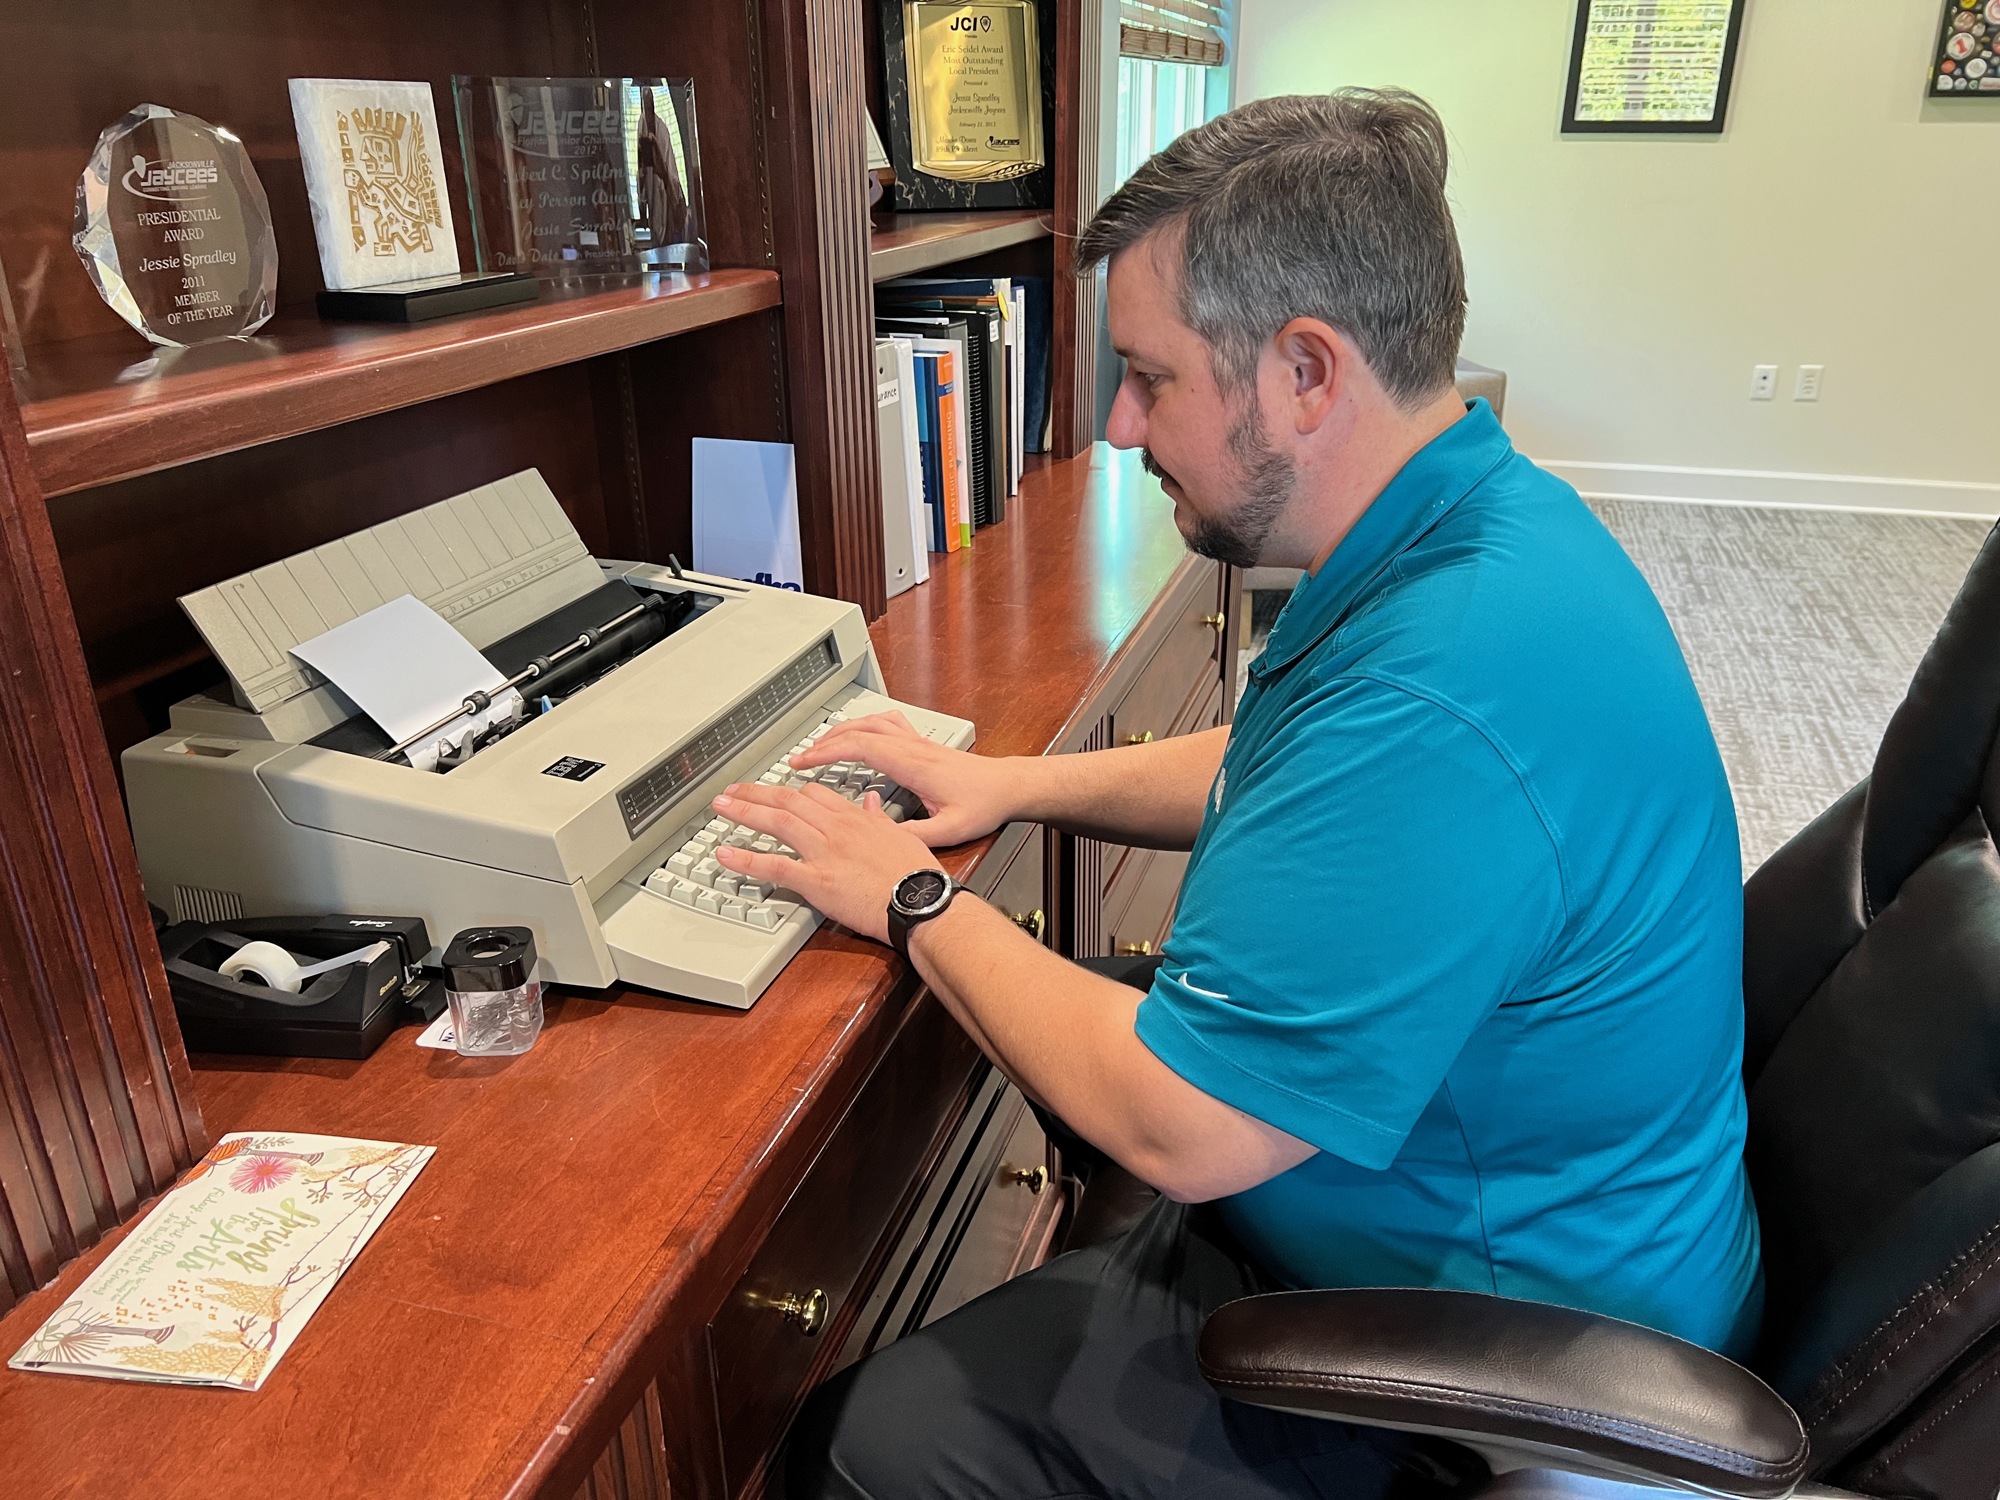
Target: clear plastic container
(496, 1023)
(496, 1002)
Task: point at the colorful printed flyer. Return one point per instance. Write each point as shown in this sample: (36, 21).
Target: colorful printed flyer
(213, 1285)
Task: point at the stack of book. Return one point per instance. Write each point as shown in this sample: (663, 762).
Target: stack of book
(961, 388)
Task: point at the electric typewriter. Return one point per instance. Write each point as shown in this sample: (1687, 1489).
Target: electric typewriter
(575, 802)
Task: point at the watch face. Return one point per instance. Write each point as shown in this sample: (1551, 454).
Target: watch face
(918, 893)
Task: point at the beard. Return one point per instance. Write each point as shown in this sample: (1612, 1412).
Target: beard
(1266, 478)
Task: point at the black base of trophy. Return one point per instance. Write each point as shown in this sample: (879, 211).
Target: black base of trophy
(436, 297)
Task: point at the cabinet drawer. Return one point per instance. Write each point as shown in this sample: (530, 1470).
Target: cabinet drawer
(1139, 903)
(767, 1336)
(1021, 893)
(1181, 669)
(1012, 1219)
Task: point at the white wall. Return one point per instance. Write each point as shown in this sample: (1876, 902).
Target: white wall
(1629, 284)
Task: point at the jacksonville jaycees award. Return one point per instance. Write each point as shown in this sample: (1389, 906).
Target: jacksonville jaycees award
(174, 229)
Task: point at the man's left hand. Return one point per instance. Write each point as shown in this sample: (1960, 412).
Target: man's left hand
(849, 856)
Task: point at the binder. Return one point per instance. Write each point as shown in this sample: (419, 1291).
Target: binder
(1025, 313)
(952, 486)
(920, 536)
(899, 555)
(977, 370)
(925, 364)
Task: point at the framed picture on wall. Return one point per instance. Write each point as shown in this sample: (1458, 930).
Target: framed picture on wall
(1652, 66)
(1967, 60)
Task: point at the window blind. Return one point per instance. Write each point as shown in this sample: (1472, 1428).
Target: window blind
(1189, 31)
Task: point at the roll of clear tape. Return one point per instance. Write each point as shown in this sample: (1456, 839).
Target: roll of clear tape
(271, 966)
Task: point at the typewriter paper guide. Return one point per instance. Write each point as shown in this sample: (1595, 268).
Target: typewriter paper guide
(489, 561)
(214, 1284)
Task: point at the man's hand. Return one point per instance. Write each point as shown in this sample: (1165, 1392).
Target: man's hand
(849, 857)
(968, 795)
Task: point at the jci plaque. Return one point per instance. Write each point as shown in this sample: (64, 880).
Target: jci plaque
(582, 177)
(174, 229)
(975, 89)
(968, 97)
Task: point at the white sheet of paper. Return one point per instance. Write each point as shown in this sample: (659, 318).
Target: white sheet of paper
(746, 512)
(402, 663)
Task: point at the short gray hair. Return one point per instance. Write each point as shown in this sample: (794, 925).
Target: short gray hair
(1328, 206)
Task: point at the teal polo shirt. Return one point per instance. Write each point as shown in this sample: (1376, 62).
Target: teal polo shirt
(1465, 914)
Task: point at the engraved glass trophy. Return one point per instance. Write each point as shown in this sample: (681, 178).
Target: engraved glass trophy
(174, 229)
(574, 178)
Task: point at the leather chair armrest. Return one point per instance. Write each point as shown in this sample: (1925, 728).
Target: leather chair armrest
(1524, 1384)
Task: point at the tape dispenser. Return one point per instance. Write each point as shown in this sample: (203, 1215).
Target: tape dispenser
(331, 986)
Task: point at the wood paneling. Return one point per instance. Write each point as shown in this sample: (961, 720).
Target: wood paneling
(99, 1109)
(1079, 128)
(819, 184)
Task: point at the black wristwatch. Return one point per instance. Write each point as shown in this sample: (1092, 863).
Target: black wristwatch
(918, 896)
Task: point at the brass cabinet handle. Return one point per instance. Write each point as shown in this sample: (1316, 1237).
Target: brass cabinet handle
(1136, 950)
(1145, 737)
(809, 1311)
(1215, 621)
(1034, 1179)
(1035, 923)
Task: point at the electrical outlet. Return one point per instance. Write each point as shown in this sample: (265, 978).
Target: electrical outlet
(1764, 383)
(1807, 386)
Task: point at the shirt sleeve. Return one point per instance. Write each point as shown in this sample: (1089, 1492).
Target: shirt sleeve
(1376, 882)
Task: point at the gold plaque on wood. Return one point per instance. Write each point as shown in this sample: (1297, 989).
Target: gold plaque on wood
(975, 89)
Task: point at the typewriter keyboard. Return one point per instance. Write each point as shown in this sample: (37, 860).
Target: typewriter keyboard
(692, 877)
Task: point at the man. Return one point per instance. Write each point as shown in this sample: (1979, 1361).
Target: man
(1453, 996)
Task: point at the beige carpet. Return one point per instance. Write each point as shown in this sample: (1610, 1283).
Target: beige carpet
(1802, 629)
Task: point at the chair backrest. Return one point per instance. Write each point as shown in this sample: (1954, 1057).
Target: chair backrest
(1872, 1056)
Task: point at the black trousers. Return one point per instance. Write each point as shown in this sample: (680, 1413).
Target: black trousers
(1079, 1379)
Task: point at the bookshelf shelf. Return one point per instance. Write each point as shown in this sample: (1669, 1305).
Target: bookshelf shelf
(96, 412)
(903, 244)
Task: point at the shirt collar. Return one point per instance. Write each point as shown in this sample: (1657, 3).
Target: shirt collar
(1436, 478)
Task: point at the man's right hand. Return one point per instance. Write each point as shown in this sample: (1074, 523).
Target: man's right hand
(968, 796)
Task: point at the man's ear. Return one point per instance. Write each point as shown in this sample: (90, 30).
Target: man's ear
(1319, 366)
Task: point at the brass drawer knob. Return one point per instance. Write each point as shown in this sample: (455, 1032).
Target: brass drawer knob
(1215, 622)
(1035, 923)
(1142, 949)
(1145, 737)
(1034, 1179)
(809, 1311)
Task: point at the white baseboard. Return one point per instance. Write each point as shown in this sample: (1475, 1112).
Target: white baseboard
(1924, 497)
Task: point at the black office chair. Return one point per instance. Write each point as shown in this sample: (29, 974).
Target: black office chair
(1871, 980)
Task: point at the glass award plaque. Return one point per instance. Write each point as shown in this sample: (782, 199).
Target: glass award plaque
(576, 178)
(174, 229)
(969, 87)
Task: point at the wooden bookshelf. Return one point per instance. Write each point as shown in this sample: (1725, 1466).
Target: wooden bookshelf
(904, 244)
(102, 409)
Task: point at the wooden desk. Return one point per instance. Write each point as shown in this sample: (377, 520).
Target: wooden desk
(578, 1290)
